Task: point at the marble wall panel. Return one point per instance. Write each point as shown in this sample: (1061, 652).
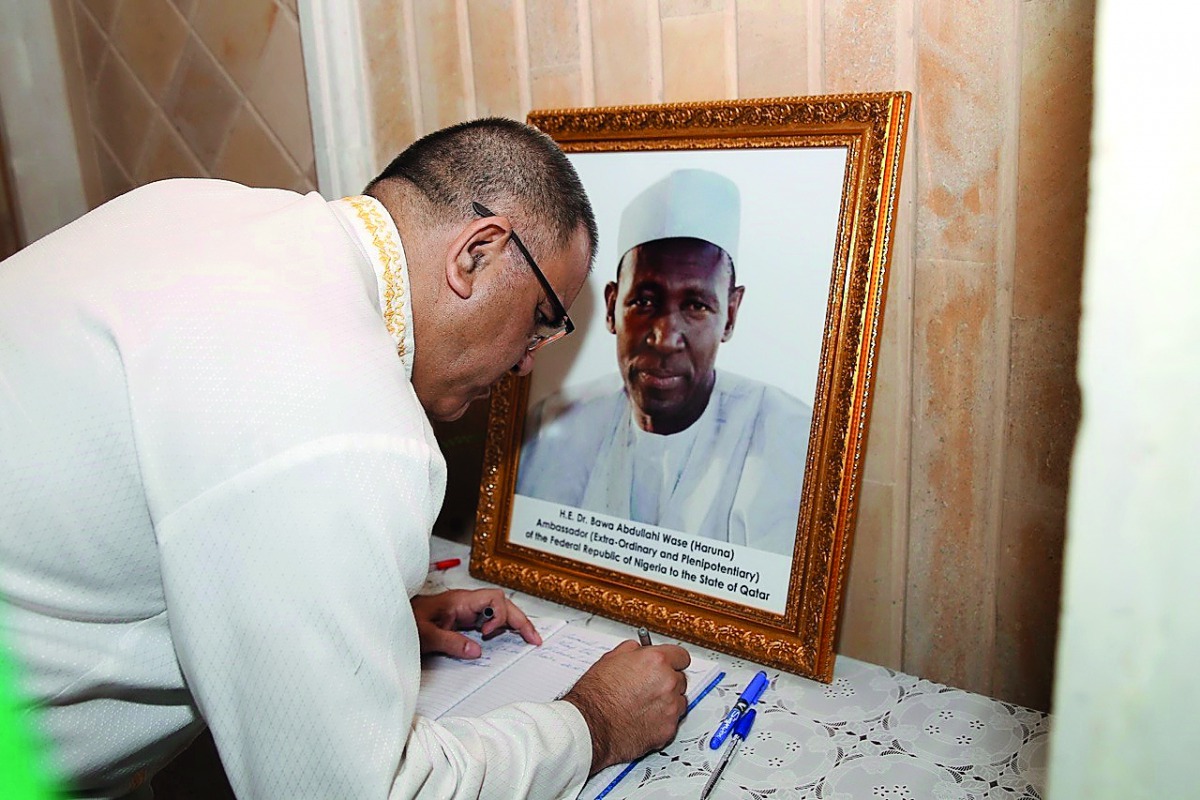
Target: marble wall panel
(960, 106)
(877, 581)
(553, 27)
(772, 48)
(556, 87)
(1043, 411)
(949, 614)
(202, 103)
(235, 31)
(626, 53)
(1029, 585)
(889, 397)
(167, 155)
(860, 45)
(150, 34)
(498, 67)
(964, 87)
(1043, 414)
(155, 86)
(1043, 404)
(871, 623)
(553, 42)
(1055, 126)
(441, 79)
(694, 57)
(389, 79)
(121, 110)
(280, 95)
(104, 11)
(83, 47)
(92, 43)
(113, 180)
(251, 156)
(680, 8)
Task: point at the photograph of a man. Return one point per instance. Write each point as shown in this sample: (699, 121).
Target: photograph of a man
(671, 440)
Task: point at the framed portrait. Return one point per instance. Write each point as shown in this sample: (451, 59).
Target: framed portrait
(689, 459)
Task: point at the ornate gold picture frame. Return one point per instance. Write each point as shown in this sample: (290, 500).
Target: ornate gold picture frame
(687, 539)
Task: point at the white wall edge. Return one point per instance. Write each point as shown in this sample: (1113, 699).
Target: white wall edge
(338, 96)
(35, 116)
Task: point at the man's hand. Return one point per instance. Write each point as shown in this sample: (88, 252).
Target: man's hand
(439, 616)
(632, 699)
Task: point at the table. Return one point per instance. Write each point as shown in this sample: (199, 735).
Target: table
(872, 734)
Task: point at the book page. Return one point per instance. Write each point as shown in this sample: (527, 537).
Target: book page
(446, 680)
(546, 673)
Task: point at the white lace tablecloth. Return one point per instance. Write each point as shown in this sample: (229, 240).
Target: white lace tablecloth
(872, 734)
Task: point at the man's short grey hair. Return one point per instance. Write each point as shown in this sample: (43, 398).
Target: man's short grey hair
(509, 167)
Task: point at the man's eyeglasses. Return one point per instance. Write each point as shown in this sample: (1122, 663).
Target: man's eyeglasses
(549, 330)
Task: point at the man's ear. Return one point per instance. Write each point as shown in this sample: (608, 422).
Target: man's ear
(735, 302)
(480, 242)
(610, 306)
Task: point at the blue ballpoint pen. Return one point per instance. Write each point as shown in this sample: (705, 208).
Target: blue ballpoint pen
(747, 699)
(740, 732)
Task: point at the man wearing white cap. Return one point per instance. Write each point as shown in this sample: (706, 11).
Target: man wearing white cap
(674, 442)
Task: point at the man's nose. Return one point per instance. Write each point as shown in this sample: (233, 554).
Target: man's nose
(525, 365)
(666, 332)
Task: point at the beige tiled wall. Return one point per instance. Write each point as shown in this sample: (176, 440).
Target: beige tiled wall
(185, 88)
(955, 568)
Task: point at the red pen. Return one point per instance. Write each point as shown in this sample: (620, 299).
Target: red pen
(445, 563)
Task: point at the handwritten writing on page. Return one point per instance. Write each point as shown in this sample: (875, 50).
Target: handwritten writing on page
(445, 680)
(535, 674)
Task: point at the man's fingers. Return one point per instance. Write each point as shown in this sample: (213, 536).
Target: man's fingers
(439, 640)
(676, 656)
(632, 700)
(505, 614)
(462, 609)
(515, 618)
(672, 655)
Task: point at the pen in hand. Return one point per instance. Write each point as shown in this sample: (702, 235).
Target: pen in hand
(643, 637)
(483, 617)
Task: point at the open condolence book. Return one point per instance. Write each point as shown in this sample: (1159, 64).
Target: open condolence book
(511, 671)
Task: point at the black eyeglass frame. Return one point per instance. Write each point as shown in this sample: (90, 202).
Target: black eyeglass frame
(562, 324)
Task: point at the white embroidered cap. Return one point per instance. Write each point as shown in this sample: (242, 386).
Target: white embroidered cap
(695, 203)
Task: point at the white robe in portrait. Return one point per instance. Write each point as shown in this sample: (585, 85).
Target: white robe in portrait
(734, 475)
(216, 490)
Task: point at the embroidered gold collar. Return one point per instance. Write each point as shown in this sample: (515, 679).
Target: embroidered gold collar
(391, 269)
